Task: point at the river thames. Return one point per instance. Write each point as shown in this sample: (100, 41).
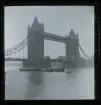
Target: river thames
(30, 85)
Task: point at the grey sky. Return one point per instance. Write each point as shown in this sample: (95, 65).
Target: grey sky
(57, 20)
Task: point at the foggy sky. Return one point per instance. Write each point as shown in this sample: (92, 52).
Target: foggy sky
(57, 20)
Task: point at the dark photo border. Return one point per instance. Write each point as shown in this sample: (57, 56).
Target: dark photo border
(57, 3)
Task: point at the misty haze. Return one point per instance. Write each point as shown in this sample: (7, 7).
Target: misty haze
(49, 52)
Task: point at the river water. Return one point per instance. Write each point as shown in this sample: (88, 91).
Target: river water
(24, 85)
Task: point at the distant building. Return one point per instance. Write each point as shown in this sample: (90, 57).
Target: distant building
(61, 57)
(56, 64)
(47, 57)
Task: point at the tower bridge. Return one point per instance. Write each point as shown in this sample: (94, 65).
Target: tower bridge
(35, 43)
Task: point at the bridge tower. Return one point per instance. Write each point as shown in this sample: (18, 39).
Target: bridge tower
(72, 49)
(35, 44)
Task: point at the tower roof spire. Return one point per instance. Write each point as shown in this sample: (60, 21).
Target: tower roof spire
(38, 20)
(35, 23)
(72, 32)
(77, 34)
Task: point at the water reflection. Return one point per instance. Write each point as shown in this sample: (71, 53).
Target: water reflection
(35, 78)
(77, 84)
(34, 84)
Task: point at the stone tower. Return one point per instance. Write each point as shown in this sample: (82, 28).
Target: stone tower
(36, 40)
(35, 44)
(72, 48)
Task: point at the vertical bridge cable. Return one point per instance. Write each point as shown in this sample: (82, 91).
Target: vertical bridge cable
(14, 55)
(23, 53)
(19, 53)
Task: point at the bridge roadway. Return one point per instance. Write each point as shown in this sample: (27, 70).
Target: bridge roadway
(19, 59)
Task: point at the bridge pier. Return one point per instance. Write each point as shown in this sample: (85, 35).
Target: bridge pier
(36, 64)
